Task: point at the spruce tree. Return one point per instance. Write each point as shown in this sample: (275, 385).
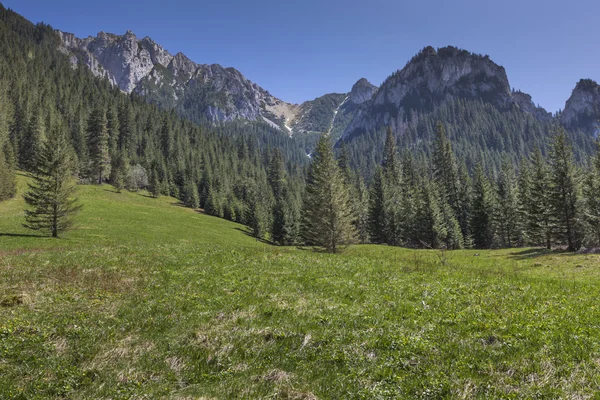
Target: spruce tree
(50, 197)
(119, 170)
(377, 198)
(392, 201)
(327, 215)
(256, 213)
(283, 230)
(535, 201)
(507, 212)
(591, 192)
(445, 171)
(565, 193)
(190, 194)
(430, 228)
(8, 185)
(154, 183)
(482, 211)
(98, 145)
(361, 210)
(32, 142)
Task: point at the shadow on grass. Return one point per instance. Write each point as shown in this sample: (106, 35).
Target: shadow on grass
(23, 235)
(180, 204)
(248, 233)
(534, 253)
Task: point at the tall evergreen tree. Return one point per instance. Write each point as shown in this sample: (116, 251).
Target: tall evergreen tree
(32, 142)
(98, 145)
(482, 211)
(50, 197)
(507, 212)
(445, 171)
(257, 213)
(8, 185)
(535, 201)
(284, 223)
(565, 193)
(591, 191)
(377, 213)
(327, 215)
(119, 170)
(154, 183)
(430, 228)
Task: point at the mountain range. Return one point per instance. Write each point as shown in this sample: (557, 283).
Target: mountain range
(213, 93)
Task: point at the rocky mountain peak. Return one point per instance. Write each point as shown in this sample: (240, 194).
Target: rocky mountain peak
(362, 91)
(582, 109)
(429, 79)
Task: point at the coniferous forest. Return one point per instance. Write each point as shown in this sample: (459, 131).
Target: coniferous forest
(538, 189)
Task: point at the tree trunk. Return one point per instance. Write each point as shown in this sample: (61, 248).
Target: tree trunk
(54, 222)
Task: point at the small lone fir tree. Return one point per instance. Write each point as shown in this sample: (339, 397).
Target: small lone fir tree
(327, 216)
(50, 198)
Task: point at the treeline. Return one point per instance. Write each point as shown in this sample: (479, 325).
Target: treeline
(481, 134)
(545, 201)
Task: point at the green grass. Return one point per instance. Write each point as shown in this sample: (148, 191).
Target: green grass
(146, 299)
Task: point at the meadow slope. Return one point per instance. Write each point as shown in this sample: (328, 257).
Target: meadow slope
(147, 299)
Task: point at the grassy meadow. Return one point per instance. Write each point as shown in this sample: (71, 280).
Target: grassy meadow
(147, 299)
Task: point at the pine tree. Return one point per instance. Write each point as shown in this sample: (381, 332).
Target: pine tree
(535, 201)
(361, 210)
(376, 220)
(166, 139)
(591, 192)
(283, 222)
(190, 194)
(8, 184)
(392, 202)
(507, 213)
(482, 211)
(50, 198)
(112, 127)
(98, 145)
(327, 216)
(445, 171)
(154, 183)
(119, 170)
(565, 193)
(32, 142)
(126, 126)
(256, 213)
(430, 229)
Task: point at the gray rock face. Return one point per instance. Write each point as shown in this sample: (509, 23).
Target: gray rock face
(427, 80)
(142, 66)
(582, 110)
(123, 60)
(362, 91)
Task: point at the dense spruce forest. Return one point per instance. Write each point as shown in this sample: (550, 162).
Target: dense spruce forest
(534, 188)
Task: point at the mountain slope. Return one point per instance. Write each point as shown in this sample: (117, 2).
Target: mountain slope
(431, 78)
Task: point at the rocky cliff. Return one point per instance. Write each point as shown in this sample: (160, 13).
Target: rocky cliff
(199, 91)
(582, 109)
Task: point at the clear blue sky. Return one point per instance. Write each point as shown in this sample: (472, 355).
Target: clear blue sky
(299, 50)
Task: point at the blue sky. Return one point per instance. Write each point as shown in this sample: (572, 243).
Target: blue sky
(299, 50)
